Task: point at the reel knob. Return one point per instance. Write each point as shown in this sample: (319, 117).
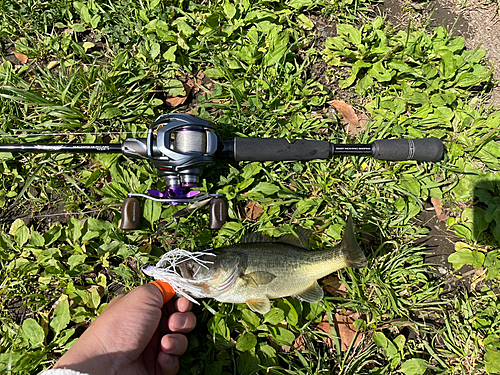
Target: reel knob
(131, 214)
(218, 213)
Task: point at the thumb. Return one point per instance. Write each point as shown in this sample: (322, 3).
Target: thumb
(167, 292)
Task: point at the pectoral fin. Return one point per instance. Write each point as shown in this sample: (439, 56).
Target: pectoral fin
(250, 281)
(259, 278)
(312, 294)
(261, 305)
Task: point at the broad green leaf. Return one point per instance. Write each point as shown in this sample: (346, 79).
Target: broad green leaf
(306, 22)
(251, 170)
(350, 33)
(274, 316)
(466, 256)
(299, 4)
(379, 72)
(266, 188)
(291, 315)
(267, 354)
(61, 317)
(448, 64)
(14, 227)
(74, 231)
(36, 239)
(414, 366)
(251, 318)
(184, 27)
(492, 361)
(214, 73)
(110, 112)
(281, 335)
(380, 340)
(22, 235)
(32, 332)
(95, 298)
(247, 363)
(229, 9)
(53, 234)
(410, 184)
(218, 328)
(175, 87)
(275, 55)
(170, 54)
(153, 4)
(94, 22)
(155, 50)
(76, 260)
(246, 341)
(152, 212)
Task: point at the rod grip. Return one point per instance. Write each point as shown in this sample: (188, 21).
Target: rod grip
(279, 149)
(424, 149)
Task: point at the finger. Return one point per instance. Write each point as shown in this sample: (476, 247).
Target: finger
(169, 364)
(182, 322)
(174, 343)
(181, 304)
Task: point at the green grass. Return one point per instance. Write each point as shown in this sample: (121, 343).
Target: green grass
(105, 70)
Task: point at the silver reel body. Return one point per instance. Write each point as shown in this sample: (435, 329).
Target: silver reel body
(179, 145)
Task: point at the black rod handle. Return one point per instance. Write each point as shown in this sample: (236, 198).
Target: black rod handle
(424, 149)
(279, 149)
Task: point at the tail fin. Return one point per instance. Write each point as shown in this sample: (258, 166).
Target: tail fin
(349, 247)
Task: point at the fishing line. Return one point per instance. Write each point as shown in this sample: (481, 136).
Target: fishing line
(57, 134)
(60, 214)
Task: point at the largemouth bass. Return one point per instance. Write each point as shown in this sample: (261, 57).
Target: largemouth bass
(260, 269)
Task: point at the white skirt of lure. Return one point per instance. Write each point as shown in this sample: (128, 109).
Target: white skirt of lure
(167, 270)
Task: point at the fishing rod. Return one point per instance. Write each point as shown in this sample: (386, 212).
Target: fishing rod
(180, 146)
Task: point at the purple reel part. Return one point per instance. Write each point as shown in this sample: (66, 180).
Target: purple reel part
(175, 192)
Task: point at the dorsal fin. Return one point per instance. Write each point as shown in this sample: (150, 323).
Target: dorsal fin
(301, 239)
(256, 237)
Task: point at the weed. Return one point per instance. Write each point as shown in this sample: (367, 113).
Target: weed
(105, 70)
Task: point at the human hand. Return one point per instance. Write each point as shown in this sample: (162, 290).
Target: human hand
(135, 334)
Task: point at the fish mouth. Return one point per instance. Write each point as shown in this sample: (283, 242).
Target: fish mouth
(186, 270)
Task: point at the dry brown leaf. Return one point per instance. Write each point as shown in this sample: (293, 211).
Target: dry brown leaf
(346, 330)
(252, 211)
(175, 101)
(334, 287)
(436, 203)
(325, 327)
(21, 57)
(100, 289)
(349, 118)
(200, 77)
(344, 325)
(299, 343)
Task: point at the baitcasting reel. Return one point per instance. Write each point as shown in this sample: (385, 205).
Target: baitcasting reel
(180, 146)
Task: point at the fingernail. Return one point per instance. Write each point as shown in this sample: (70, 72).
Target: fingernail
(171, 344)
(180, 321)
(170, 361)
